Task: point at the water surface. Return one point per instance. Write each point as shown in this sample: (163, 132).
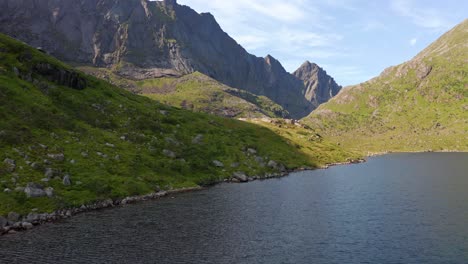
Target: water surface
(399, 208)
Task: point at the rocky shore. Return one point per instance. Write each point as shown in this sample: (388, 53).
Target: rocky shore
(14, 223)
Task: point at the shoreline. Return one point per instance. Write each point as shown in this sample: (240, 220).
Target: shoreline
(36, 219)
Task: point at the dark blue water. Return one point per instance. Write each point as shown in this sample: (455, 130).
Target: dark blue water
(400, 208)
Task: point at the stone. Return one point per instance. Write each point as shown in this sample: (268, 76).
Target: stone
(66, 180)
(272, 164)
(251, 151)
(50, 173)
(27, 225)
(19, 189)
(197, 139)
(110, 145)
(10, 165)
(34, 190)
(84, 154)
(57, 157)
(240, 176)
(169, 153)
(36, 166)
(7, 190)
(218, 163)
(117, 157)
(3, 222)
(49, 191)
(45, 180)
(72, 161)
(235, 165)
(13, 217)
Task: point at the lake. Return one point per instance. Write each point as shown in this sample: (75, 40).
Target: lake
(397, 208)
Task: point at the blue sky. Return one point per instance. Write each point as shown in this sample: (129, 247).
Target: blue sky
(353, 40)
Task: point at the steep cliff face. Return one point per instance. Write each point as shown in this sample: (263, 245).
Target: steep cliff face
(319, 87)
(146, 39)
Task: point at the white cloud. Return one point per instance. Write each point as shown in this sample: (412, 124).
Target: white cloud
(423, 17)
(413, 41)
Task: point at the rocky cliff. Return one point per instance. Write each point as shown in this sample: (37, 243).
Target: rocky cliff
(319, 87)
(146, 39)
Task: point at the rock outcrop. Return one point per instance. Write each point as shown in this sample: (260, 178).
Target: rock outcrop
(146, 39)
(319, 87)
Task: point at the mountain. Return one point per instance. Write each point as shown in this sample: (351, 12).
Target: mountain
(68, 139)
(421, 104)
(143, 39)
(319, 87)
(196, 92)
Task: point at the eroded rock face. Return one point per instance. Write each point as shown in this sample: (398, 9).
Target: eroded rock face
(319, 87)
(148, 39)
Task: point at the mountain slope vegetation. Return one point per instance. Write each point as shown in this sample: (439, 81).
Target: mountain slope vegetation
(67, 138)
(419, 105)
(196, 92)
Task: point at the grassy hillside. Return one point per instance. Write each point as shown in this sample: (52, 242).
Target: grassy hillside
(196, 92)
(58, 124)
(418, 105)
(308, 141)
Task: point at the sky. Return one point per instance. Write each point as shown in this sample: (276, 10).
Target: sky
(353, 40)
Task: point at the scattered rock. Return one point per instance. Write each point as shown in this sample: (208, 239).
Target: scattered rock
(163, 112)
(72, 161)
(117, 157)
(272, 164)
(44, 180)
(3, 222)
(235, 165)
(84, 154)
(27, 225)
(66, 180)
(10, 165)
(35, 166)
(34, 190)
(110, 145)
(169, 153)
(7, 190)
(240, 176)
(251, 151)
(197, 139)
(218, 163)
(19, 189)
(49, 191)
(57, 157)
(50, 173)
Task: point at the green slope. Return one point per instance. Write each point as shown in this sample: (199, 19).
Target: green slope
(196, 92)
(419, 105)
(111, 142)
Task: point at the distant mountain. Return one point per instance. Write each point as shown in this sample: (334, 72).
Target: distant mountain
(143, 39)
(319, 86)
(421, 104)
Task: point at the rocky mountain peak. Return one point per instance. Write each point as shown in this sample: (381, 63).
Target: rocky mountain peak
(149, 39)
(319, 87)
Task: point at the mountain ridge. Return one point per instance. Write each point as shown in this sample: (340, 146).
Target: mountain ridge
(148, 39)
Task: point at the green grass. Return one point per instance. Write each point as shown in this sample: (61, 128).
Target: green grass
(196, 92)
(404, 110)
(38, 112)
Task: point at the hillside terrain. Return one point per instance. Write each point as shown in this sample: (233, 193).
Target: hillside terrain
(141, 39)
(67, 139)
(196, 92)
(421, 104)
